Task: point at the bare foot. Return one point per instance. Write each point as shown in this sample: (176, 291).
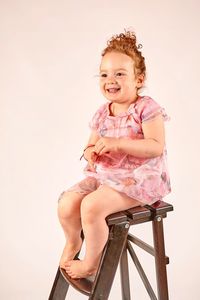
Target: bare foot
(79, 269)
(69, 252)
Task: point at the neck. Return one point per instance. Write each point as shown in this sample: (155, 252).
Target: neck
(117, 108)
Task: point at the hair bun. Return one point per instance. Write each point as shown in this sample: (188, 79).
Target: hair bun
(127, 43)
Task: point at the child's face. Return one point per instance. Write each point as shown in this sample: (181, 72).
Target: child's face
(117, 78)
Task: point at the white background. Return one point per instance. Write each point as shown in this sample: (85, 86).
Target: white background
(49, 54)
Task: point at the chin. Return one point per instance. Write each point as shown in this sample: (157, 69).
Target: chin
(112, 98)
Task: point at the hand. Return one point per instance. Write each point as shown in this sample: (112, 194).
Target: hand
(106, 144)
(91, 157)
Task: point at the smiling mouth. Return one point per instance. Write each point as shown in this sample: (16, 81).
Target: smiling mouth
(113, 90)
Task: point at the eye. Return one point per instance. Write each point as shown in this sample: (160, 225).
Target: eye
(103, 75)
(119, 74)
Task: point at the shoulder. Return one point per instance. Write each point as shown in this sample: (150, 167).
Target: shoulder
(145, 102)
(147, 108)
(99, 115)
(103, 108)
(102, 111)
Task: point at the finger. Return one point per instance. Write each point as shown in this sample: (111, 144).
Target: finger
(99, 148)
(103, 150)
(98, 145)
(96, 148)
(91, 165)
(98, 142)
(94, 156)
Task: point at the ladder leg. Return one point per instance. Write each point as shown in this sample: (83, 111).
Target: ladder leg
(59, 288)
(110, 259)
(124, 275)
(160, 261)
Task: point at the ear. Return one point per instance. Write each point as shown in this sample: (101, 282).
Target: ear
(140, 80)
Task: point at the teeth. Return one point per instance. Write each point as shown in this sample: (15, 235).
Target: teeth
(113, 90)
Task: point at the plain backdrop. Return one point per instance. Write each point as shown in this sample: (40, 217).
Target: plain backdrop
(49, 55)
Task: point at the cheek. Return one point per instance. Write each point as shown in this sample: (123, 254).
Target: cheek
(130, 86)
(102, 87)
(127, 86)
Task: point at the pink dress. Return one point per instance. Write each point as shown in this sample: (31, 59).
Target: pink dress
(145, 180)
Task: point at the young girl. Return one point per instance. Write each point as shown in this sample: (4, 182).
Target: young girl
(126, 157)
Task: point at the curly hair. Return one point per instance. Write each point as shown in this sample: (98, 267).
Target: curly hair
(126, 43)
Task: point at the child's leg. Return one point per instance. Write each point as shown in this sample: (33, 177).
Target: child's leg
(69, 217)
(95, 207)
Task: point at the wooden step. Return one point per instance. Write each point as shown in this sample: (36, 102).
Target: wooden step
(83, 285)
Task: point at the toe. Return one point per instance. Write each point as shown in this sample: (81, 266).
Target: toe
(67, 270)
(75, 276)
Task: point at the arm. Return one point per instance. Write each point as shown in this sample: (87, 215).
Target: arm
(93, 138)
(153, 143)
(89, 152)
(150, 146)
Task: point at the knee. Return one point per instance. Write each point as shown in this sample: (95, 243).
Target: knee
(89, 210)
(66, 206)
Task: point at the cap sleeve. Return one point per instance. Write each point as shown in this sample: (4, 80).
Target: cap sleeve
(97, 118)
(149, 109)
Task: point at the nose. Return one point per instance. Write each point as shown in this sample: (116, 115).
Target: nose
(111, 78)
